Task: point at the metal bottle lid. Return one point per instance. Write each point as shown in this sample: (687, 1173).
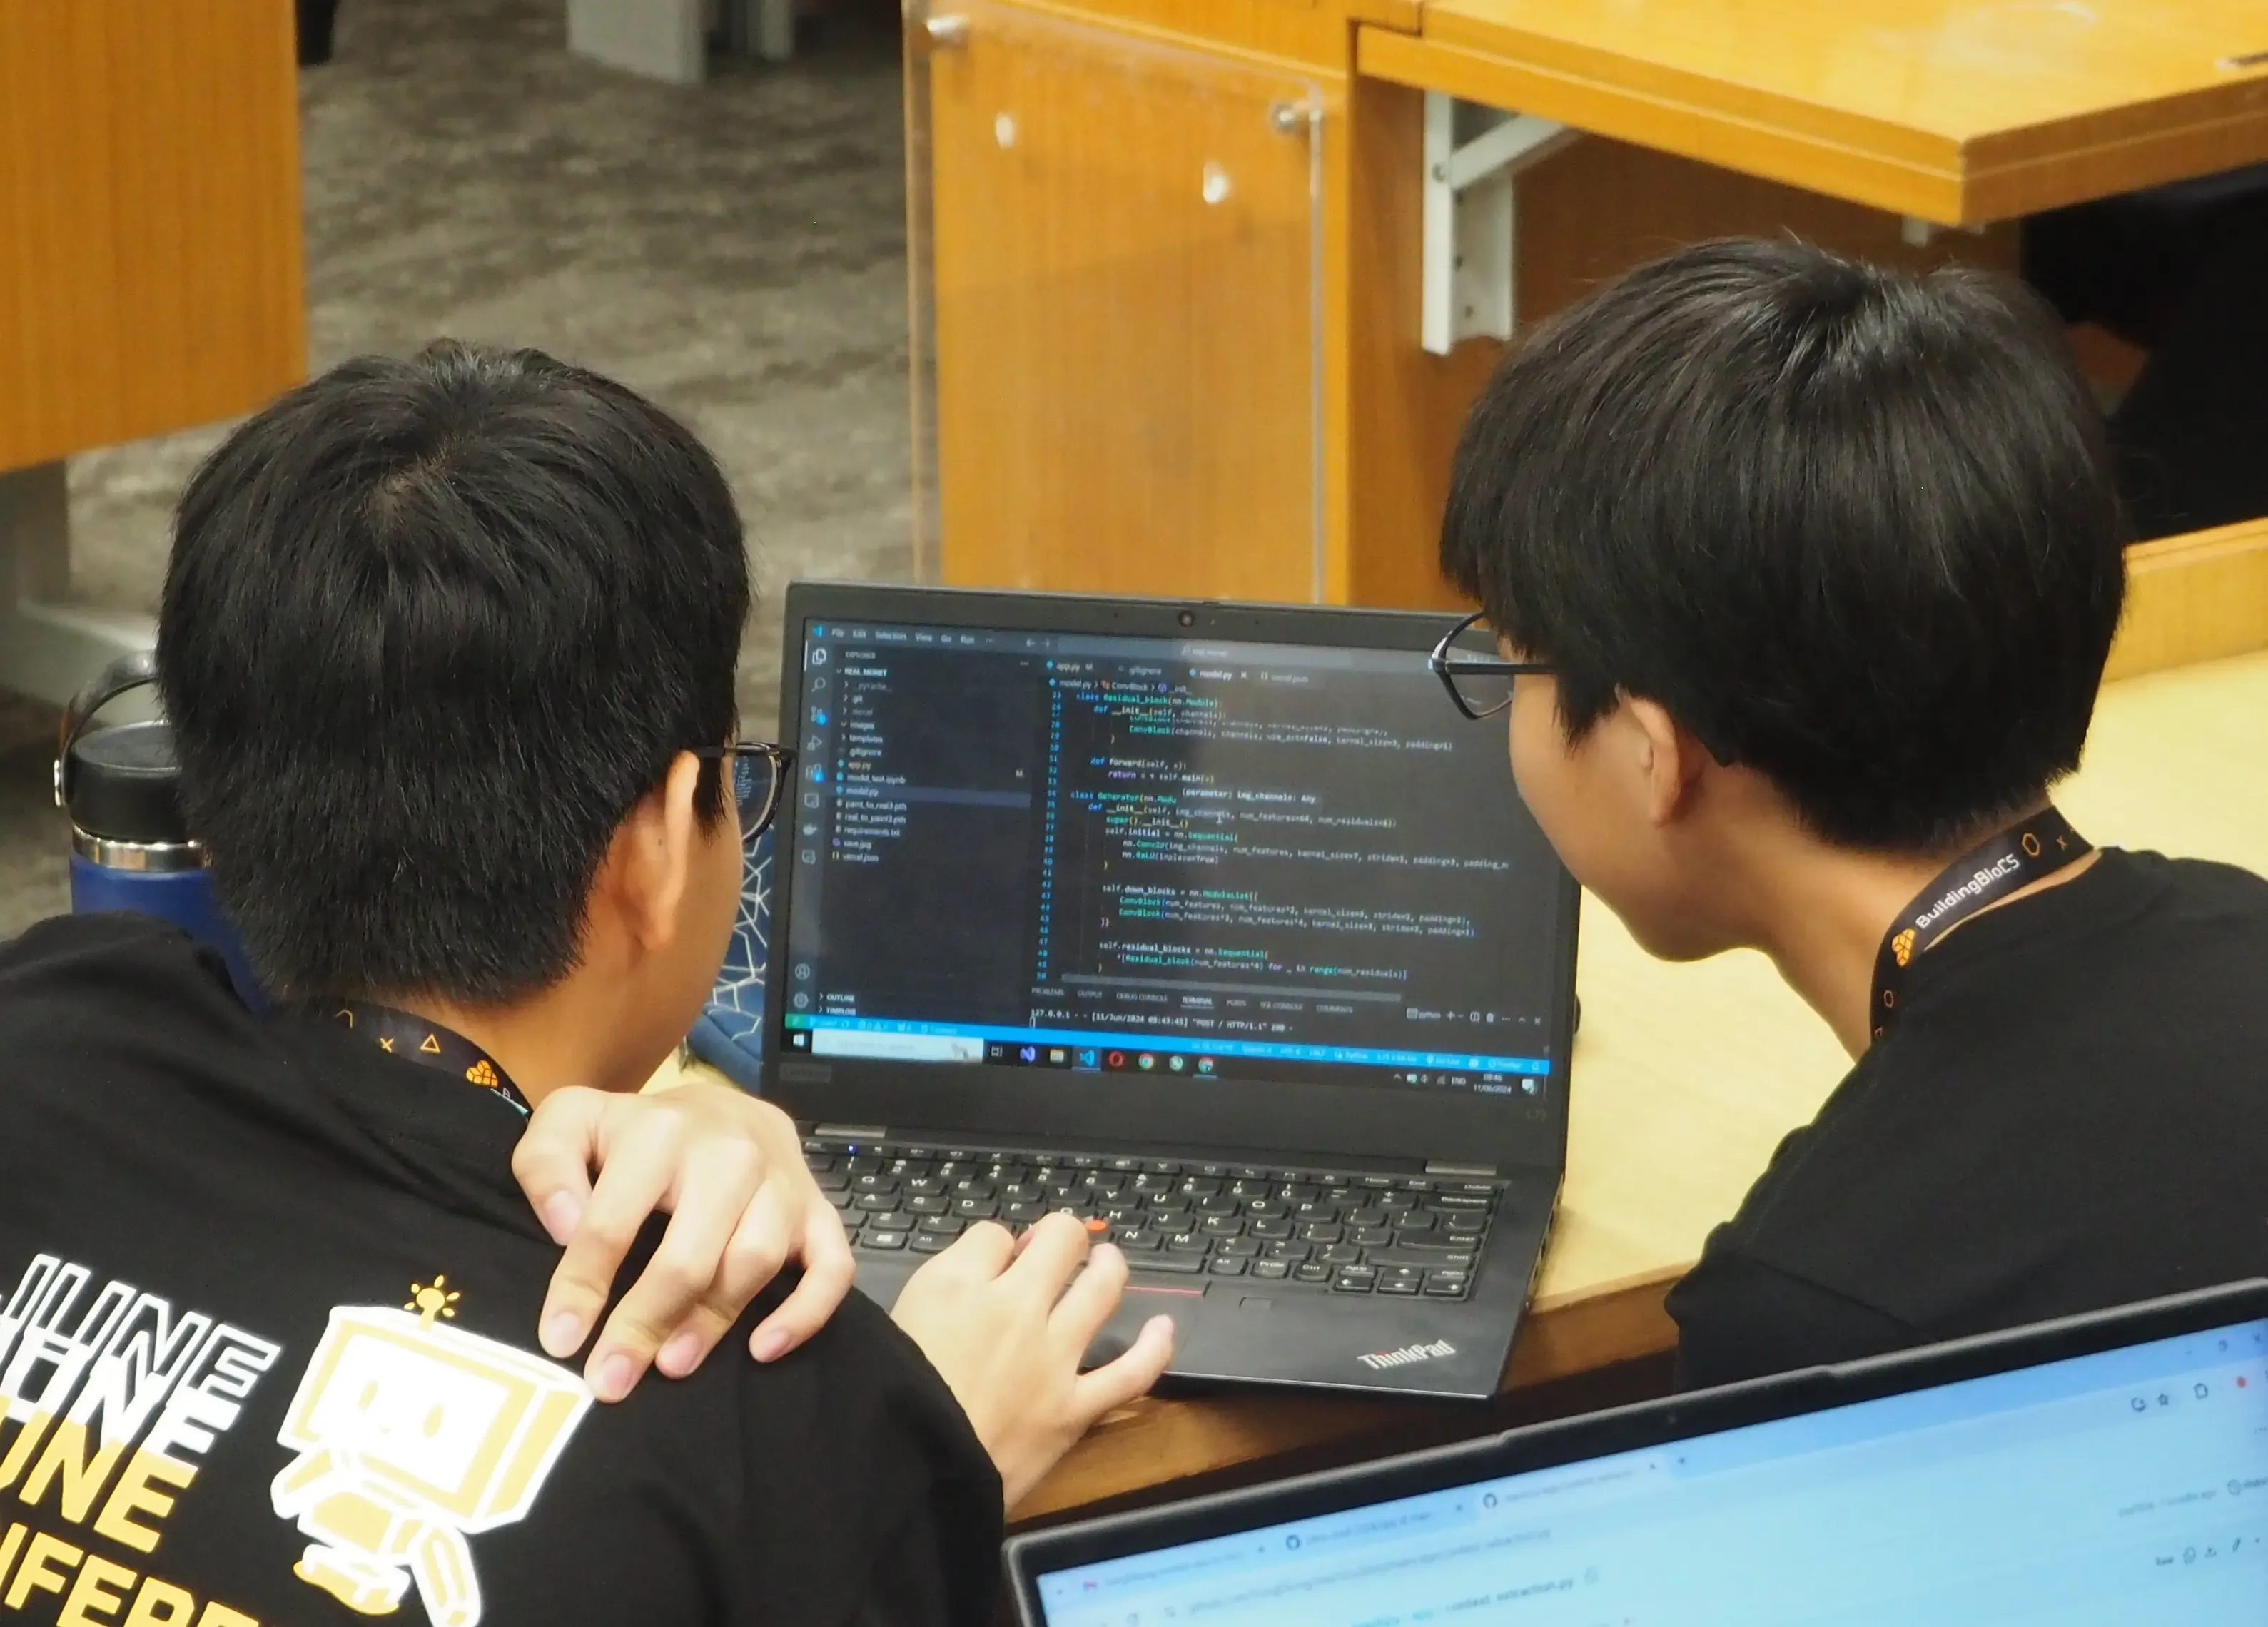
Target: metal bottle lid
(122, 784)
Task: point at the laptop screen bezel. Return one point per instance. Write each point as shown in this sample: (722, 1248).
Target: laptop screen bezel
(1366, 1123)
(1030, 1556)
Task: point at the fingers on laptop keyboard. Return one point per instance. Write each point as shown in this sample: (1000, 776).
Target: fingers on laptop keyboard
(1382, 1234)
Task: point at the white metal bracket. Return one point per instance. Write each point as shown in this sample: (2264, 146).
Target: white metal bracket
(1472, 219)
(1919, 233)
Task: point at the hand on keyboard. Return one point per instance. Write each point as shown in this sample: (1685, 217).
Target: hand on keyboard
(1306, 1230)
(994, 1316)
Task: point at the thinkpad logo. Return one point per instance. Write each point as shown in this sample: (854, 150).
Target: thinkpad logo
(1379, 1360)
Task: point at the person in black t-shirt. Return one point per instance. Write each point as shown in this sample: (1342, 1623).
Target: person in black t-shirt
(448, 648)
(1817, 565)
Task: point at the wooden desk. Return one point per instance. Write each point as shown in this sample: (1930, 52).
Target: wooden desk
(1955, 112)
(1685, 1079)
(150, 266)
(1169, 264)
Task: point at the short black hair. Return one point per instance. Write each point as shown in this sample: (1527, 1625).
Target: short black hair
(430, 629)
(1851, 526)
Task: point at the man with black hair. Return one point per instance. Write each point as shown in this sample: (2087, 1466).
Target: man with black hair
(448, 648)
(1805, 573)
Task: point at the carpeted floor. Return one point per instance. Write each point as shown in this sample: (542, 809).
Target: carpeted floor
(734, 249)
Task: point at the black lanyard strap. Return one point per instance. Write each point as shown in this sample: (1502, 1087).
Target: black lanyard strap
(414, 1038)
(2028, 852)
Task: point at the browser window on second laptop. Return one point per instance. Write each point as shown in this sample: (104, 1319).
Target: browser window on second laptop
(2126, 1487)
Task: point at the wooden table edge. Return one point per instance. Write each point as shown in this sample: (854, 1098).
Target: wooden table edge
(1878, 173)
(2021, 171)
(1948, 177)
(2199, 597)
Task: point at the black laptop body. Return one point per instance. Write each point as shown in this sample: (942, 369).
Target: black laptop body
(1216, 924)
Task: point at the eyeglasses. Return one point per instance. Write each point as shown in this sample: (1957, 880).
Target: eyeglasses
(760, 771)
(1481, 685)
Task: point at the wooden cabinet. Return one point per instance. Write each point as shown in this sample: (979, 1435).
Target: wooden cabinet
(1167, 290)
(1118, 308)
(150, 259)
(1168, 254)
(149, 268)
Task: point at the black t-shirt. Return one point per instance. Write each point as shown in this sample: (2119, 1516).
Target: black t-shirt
(267, 1301)
(2070, 1113)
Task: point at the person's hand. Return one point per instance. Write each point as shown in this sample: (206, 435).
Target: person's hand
(729, 1170)
(995, 1319)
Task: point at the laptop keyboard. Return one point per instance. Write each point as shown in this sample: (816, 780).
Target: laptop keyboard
(1330, 1231)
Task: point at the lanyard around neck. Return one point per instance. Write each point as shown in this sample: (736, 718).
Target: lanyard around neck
(2028, 852)
(429, 1044)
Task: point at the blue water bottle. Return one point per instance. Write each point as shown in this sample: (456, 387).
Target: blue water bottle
(130, 849)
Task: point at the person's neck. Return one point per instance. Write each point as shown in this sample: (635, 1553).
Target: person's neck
(537, 1042)
(1823, 912)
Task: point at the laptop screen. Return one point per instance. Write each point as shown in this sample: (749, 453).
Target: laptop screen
(1187, 858)
(2127, 1486)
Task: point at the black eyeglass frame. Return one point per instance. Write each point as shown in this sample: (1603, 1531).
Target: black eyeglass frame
(779, 760)
(1448, 666)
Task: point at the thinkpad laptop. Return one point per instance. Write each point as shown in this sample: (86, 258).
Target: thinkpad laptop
(1217, 924)
(2111, 1469)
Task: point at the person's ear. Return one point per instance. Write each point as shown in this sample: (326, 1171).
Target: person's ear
(649, 864)
(1670, 758)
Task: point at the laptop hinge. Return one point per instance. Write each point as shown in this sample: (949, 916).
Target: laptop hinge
(1438, 1166)
(851, 1132)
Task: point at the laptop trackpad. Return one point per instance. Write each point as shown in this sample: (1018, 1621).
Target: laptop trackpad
(1142, 1301)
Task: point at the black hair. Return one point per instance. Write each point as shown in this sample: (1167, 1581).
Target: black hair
(430, 629)
(1853, 527)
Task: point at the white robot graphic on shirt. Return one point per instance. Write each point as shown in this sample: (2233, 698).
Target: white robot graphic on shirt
(412, 1436)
